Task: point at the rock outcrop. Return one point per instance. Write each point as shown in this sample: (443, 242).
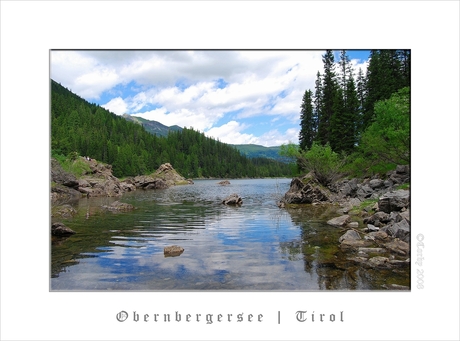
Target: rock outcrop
(99, 181)
(167, 173)
(306, 190)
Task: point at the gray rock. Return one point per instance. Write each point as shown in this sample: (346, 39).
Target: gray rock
(402, 169)
(233, 199)
(372, 228)
(379, 262)
(340, 221)
(350, 235)
(398, 246)
(364, 192)
(173, 251)
(400, 230)
(351, 244)
(394, 201)
(372, 250)
(59, 176)
(306, 190)
(375, 183)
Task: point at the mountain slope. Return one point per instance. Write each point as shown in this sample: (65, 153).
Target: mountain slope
(153, 127)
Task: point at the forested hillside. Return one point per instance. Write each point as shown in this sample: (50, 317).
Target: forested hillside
(90, 130)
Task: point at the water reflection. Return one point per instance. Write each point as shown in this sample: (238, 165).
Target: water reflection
(253, 247)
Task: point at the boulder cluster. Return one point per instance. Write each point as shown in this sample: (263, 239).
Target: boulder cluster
(99, 181)
(374, 215)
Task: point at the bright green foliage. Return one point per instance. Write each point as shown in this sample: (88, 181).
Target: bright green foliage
(72, 164)
(388, 71)
(322, 160)
(388, 138)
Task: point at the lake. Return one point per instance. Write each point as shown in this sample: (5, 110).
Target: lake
(257, 246)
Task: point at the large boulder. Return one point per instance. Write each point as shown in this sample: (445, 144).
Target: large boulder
(149, 182)
(350, 235)
(167, 173)
(394, 201)
(306, 190)
(400, 230)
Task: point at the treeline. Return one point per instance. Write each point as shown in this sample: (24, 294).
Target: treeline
(354, 122)
(341, 107)
(90, 130)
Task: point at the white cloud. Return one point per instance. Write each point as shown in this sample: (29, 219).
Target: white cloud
(231, 133)
(197, 88)
(117, 105)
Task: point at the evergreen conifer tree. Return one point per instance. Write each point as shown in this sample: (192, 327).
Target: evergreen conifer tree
(307, 122)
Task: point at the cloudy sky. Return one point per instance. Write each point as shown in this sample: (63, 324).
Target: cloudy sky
(236, 96)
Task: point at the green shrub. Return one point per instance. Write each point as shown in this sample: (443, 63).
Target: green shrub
(321, 160)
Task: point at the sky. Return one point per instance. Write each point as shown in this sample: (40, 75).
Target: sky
(236, 96)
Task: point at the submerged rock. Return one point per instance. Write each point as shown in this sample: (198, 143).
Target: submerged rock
(224, 183)
(119, 206)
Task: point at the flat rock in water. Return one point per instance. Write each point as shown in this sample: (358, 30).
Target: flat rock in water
(173, 251)
(350, 235)
(340, 221)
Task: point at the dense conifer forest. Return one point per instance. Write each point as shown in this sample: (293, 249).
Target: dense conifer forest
(356, 123)
(79, 127)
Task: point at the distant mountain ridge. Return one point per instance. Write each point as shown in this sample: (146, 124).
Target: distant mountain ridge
(153, 127)
(254, 150)
(249, 150)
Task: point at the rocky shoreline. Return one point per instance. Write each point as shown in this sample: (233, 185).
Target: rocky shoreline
(99, 181)
(373, 213)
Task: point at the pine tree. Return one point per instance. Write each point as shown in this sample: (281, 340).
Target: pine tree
(361, 94)
(329, 92)
(307, 122)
